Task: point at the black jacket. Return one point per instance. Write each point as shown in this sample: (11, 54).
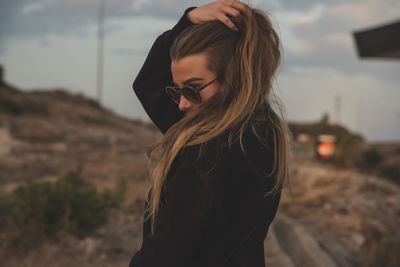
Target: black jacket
(216, 218)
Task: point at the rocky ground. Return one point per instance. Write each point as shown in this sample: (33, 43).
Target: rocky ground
(346, 218)
(331, 217)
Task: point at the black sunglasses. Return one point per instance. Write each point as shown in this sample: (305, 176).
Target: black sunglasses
(189, 92)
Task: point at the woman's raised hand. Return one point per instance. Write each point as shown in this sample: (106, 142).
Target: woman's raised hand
(218, 10)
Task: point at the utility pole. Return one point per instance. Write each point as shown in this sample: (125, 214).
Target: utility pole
(338, 108)
(397, 123)
(100, 51)
(360, 115)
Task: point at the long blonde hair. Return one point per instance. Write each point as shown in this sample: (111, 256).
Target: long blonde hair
(245, 63)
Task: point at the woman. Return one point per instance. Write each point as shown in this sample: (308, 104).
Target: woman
(218, 171)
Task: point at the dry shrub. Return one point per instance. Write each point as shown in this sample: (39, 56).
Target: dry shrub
(379, 249)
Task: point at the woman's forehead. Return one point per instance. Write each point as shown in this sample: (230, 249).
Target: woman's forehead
(189, 63)
(192, 66)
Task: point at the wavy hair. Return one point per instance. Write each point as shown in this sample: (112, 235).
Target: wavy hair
(245, 63)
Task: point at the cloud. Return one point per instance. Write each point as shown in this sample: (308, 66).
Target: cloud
(328, 42)
(314, 32)
(303, 5)
(33, 7)
(24, 19)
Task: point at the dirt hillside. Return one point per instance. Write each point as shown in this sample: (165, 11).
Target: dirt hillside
(334, 217)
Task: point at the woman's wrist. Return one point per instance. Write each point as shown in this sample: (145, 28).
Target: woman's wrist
(191, 17)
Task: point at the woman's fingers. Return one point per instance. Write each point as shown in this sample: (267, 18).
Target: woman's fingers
(231, 8)
(228, 22)
(219, 10)
(231, 11)
(240, 6)
(235, 4)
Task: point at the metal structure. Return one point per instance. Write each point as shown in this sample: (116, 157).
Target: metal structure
(100, 52)
(381, 42)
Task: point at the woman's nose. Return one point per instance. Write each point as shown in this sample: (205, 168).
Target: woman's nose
(184, 104)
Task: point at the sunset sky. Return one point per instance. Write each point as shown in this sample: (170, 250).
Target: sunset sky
(48, 44)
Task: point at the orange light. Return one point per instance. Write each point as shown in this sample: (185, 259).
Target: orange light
(326, 149)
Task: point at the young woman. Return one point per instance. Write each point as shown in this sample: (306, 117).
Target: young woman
(218, 171)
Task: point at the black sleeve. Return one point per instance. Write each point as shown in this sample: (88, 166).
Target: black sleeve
(149, 85)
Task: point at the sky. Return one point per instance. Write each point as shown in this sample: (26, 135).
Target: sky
(47, 44)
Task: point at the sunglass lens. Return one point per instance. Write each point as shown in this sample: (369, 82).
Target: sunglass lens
(173, 94)
(191, 94)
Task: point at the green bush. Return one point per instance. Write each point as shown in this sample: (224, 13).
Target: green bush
(19, 104)
(371, 157)
(43, 210)
(348, 150)
(391, 172)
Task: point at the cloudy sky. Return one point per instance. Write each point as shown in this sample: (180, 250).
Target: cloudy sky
(52, 43)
